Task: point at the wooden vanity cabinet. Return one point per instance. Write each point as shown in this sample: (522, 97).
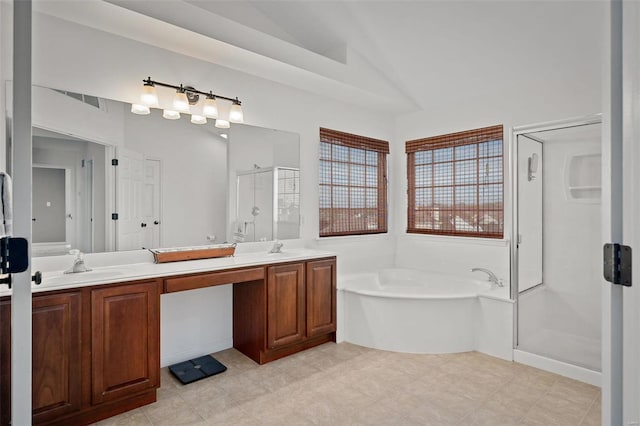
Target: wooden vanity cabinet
(293, 310)
(285, 305)
(96, 352)
(5, 361)
(321, 297)
(125, 340)
(56, 355)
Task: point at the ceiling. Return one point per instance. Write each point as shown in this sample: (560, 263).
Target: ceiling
(401, 56)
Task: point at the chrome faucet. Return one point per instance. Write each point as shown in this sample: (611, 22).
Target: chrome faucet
(492, 277)
(78, 263)
(277, 247)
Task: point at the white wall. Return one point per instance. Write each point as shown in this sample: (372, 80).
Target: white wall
(572, 252)
(69, 56)
(193, 175)
(541, 101)
(6, 63)
(76, 58)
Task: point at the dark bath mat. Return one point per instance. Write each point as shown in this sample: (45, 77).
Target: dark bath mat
(196, 369)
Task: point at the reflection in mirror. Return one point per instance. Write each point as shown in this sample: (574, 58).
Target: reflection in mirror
(268, 204)
(264, 178)
(68, 194)
(174, 183)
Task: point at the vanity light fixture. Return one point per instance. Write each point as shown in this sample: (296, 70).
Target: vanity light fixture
(149, 96)
(235, 113)
(222, 124)
(198, 119)
(184, 99)
(180, 101)
(210, 108)
(170, 115)
(140, 109)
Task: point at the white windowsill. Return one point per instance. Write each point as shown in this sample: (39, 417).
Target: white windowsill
(504, 242)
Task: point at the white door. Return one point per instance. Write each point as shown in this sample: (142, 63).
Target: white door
(529, 213)
(22, 154)
(631, 209)
(130, 177)
(151, 204)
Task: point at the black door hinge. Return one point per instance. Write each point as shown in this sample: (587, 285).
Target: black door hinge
(114, 161)
(114, 216)
(617, 264)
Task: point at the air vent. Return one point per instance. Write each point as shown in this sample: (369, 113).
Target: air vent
(87, 99)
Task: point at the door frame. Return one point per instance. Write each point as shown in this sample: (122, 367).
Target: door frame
(630, 86)
(70, 206)
(21, 341)
(513, 177)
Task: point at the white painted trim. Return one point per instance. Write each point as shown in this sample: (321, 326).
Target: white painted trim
(467, 241)
(22, 159)
(612, 305)
(558, 367)
(631, 208)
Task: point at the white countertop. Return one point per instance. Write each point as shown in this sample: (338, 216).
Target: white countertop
(58, 280)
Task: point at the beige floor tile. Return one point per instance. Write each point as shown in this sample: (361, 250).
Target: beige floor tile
(594, 415)
(345, 384)
(130, 418)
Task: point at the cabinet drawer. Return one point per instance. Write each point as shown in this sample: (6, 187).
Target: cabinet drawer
(210, 279)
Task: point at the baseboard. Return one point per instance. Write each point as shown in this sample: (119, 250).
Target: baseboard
(205, 348)
(558, 367)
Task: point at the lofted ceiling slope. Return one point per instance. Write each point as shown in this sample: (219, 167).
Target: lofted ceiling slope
(398, 56)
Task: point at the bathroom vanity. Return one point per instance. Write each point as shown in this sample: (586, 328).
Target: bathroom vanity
(96, 345)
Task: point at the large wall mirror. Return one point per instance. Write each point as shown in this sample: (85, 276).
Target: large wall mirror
(174, 183)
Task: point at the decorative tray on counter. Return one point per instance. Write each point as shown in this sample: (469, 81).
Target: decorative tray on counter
(177, 254)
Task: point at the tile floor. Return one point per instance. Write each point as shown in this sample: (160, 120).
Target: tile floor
(345, 384)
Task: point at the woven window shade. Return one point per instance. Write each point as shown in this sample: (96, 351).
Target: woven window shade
(456, 184)
(353, 141)
(353, 184)
(468, 137)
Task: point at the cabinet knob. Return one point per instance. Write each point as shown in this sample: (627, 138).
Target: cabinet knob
(143, 225)
(156, 222)
(37, 278)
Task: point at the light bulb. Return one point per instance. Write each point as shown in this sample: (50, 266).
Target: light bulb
(198, 119)
(210, 108)
(149, 97)
(222, 124)
(180, 102)
(140, 109)
(235, 114)
(170, 115)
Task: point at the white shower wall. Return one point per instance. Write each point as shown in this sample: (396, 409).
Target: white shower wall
(561, 319)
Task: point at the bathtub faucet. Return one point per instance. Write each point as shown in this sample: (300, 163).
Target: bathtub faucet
(492, 276)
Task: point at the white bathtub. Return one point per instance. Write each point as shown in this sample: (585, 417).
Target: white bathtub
(407, 310)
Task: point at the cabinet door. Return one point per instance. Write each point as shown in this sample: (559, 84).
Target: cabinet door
(56, 350)
(125, 340)
(321, 297)
(5, 361)
(285, 305)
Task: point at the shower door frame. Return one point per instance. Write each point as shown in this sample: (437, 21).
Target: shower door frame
(513, 175)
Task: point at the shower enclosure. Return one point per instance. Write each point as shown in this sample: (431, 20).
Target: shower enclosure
(556, 262)
(268, 204)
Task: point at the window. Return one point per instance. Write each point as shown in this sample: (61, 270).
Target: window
(456, 185)
(353, 184)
